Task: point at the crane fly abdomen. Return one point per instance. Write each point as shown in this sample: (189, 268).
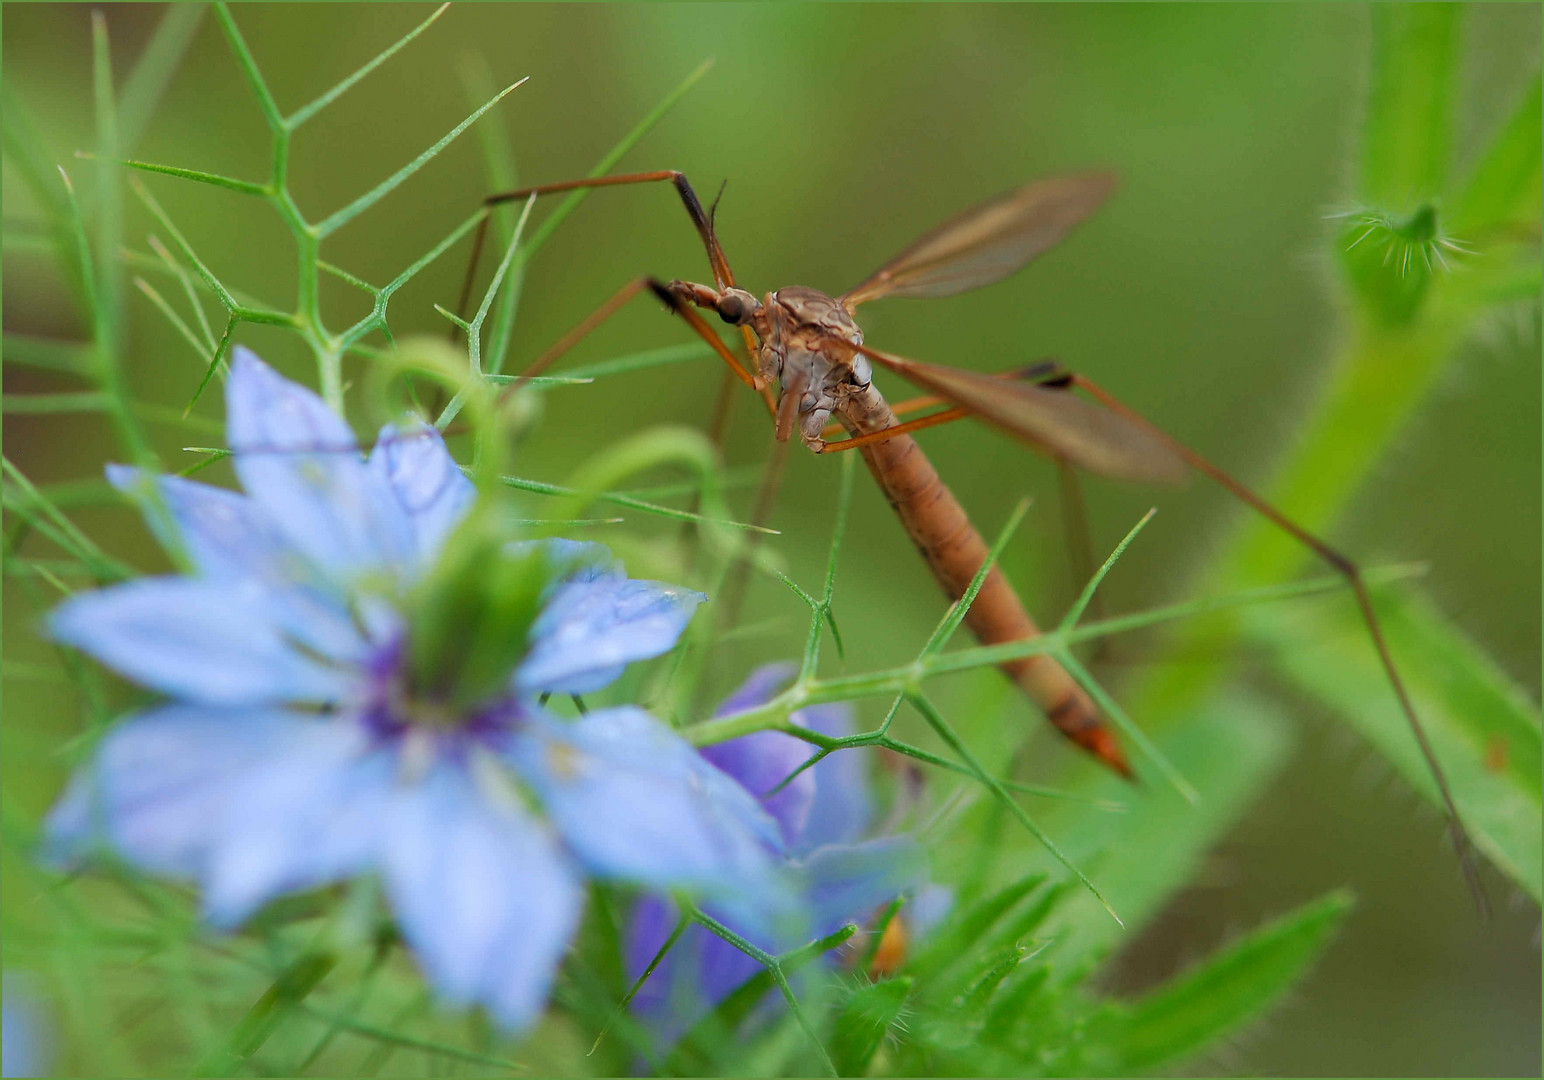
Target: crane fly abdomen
(955, 552)
(805, 345)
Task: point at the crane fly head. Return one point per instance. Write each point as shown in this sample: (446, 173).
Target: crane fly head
(806, 338)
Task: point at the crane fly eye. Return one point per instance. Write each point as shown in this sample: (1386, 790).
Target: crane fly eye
(731, 309)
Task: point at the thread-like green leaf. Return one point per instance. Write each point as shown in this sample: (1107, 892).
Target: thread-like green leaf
(305, 112)
(198, 176)
(24, 150)
(541, 487)
(696, 1051)
(67, 402)
(642, 361)
(544, 232)
(67, 357)
(335, 221)
(249, 69)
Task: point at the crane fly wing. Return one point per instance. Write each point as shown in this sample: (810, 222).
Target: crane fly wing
(988, 242)
(1087, 435)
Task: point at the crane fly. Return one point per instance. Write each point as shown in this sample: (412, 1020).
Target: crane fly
(813, 369)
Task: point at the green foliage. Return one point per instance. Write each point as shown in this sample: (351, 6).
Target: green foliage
(865, 1021)
(1391, 254)
(1503, 190)
(1483, 727)
(1232, 986)
(1407, 126)
(1414, 293)
(1015, 1011)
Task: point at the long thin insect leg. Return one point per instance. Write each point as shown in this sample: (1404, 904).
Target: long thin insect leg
(682, 308)
(609, 308)
(479, 238)
(719, 263)
(722, 275)
(738, 579)
(900, 408)
(1353, 575)
(891, 432)
(590, 322)
(1039, 370)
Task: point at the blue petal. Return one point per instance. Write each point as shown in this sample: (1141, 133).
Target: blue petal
(759, 688)
(591, 629)
(577, 560)
(927, 909)
(654, 918)
(159, 785)
(434, 493)
(829, 803)
(764, 759)
(635, 801)
(850, 882)
(225, 644)
(310, 812)
(842, 885)
(761, 761)
(224, 534)
(299, 462)
(699, 971)
(482, 894)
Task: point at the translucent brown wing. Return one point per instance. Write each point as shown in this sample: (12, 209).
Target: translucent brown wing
(1087, 435)
(988, 242)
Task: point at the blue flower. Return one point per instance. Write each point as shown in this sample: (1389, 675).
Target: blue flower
(295, 752)
(823, 813)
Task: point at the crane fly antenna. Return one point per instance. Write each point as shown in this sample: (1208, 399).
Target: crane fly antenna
(713, 210)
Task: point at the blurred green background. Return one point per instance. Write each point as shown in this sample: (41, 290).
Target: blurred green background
(1201, 294)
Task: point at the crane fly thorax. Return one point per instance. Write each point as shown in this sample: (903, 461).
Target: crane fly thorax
(806, 350)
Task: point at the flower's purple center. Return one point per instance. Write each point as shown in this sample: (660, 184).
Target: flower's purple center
(393, 706)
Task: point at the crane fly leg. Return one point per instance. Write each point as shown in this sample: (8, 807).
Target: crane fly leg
(891, 432)
(609, 308)
(703, 222)
(1047, 372)
(910, 405)
(589, 323)
(1353, 576)
(682, 307)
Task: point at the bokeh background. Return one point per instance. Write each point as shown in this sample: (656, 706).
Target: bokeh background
(1202, 294)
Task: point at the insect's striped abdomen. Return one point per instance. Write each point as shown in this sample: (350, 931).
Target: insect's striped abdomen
(955, 551)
